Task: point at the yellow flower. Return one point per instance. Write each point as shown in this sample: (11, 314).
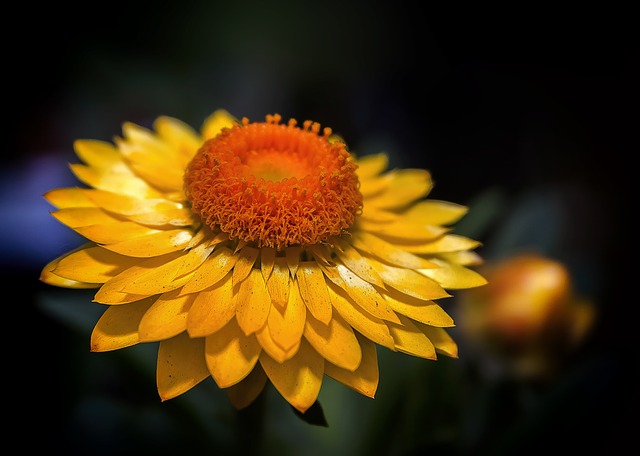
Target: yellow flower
(260, 252)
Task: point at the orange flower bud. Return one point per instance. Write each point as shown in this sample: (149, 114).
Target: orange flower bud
(528, 312)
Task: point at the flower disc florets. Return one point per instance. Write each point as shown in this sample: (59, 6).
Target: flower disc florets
(274, 185)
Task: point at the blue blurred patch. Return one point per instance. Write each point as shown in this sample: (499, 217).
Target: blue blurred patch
(30, 236)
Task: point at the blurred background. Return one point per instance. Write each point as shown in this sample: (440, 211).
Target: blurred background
(528, 116)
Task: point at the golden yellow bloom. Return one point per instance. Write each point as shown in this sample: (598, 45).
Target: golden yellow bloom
(258, 252)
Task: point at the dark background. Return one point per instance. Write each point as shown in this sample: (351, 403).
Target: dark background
(527, 113)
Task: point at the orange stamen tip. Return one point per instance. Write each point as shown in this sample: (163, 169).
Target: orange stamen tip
(274, 185)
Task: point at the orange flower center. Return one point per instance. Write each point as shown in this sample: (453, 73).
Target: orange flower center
(274, 185)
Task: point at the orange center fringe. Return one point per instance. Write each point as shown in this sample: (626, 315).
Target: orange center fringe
(274, 185)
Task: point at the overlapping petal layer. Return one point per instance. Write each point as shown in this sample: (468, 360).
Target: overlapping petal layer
(244, 314)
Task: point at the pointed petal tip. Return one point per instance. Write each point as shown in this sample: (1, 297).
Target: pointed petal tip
(301, 408)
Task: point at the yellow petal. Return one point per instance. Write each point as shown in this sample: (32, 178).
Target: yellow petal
(434, 212)
(93, 265)
(114, 233)
(371, 165)
(118, 326)
(181, 365)
(112, 297)
(69, 197)
(443, 342)
(409, 281)
(292, 254)
(158, 171)
(230, 355)
(153, 277)
(212, 308)
(462, 258)
(335, 342)
(321, 253)
(275, 351)
(385, 251)
(245, 259)
(155, 244)
(75, 217)
(165, 216)
(157, 275)
(179, 136)
(365, 295)
(152, 211)
(50, 278)
(446, 243)
(453, 276)
(427, 312)
(244, 393)
(409, 339)
(112, 181)
(166, 318)
(148, 277)
(253, 303)
(364, 379)
(278, 283)
(330, 272)
(287, 325)
(313, 290)
(403, 232)
(298, 379)
(218, 238)
(128, 205)
(404, 187)
(137, 135)
(358, 264)
(101, 155)
(373, 187)
(194, 258)
(214, 269)
(214, 124)
(373, 214)
(363, 322)
(267, 261)
(202, 239)
(151, 158)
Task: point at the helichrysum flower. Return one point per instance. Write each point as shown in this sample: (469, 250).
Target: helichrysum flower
(260, 252)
